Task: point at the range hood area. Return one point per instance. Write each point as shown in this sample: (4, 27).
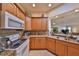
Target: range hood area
(9, 21)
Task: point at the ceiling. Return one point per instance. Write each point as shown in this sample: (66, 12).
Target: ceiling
(40, 7)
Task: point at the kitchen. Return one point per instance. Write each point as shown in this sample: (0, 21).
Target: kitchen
(39, 29)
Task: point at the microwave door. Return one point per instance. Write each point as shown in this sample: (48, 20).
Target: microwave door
(13, 22)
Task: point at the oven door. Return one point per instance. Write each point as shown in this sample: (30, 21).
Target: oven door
(12, 22)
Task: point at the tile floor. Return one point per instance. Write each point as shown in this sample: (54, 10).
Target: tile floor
(40, 53)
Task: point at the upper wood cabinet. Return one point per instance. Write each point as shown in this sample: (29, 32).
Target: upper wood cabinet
(39, 23)
(44, 24)
(28, 23)
(36, 24)
(11, 8)
(20, 14)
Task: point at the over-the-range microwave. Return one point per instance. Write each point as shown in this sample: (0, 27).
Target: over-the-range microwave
(9, 21)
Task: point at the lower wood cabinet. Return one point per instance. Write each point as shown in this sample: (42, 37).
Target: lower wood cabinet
(51, 45)
(58, 47)
(73, 49)
(37, 43)
(43, 42)
(32, 43)
(61, 48)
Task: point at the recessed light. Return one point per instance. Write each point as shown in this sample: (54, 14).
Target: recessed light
(56, 16)
(33, 5)
(49, 5)
(54, 23)
(76, 10)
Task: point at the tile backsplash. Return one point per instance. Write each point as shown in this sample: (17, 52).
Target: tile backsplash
(7, 32)
(39, 33)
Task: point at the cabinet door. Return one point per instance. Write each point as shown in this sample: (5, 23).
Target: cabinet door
(61, 49)
(32, 43)
(20, 14)
(33, 24)
(44, 24)
(37, 43)
(73, 52)
(43, 43)
(73, 49)
(51, 45)
(10, 7)
(36, 24)
(48, 44)
(14, 9)
(28, 23)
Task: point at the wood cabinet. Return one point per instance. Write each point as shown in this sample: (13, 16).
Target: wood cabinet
(58, 47)
(11, 8)
(32, 43)
(43, 42)
(73, 52)
(36, 24)
(28, 23)
(61, 48)
(73, 49)
(51, 44)
(44, 24)
(37, 43)
(20, 14)
(39, 23)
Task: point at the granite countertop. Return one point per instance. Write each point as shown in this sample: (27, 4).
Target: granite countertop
(61, 37)
(64, 39)
(38, 36)
(7, 53)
